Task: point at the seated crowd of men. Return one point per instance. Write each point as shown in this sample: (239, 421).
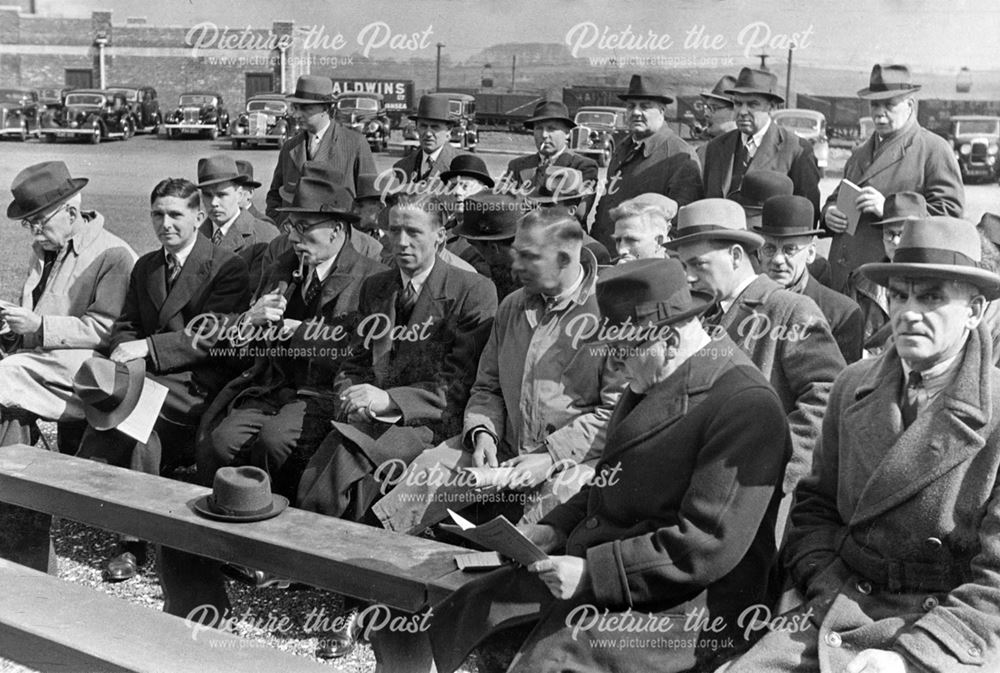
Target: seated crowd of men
(710, 415)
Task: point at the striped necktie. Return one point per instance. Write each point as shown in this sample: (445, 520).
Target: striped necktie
(174, 267)
(217, 237)
(405, 302)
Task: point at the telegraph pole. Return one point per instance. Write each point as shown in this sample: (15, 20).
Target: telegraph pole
(513, 72)
(788, 77)
(437, 79)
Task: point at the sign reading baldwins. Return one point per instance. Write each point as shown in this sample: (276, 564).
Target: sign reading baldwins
(397, 93)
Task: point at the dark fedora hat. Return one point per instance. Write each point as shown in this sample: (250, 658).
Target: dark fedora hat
(109, 390)
(753, 81)
(902, 207)
(718, 91)
(471, 166)
(888, 81)
(366, 187)
(938, 247)
(549, 110)
(788, 216)
(435, 108)
(41, 187)
(759, 186)
(647, 87)
(218, 168)
(648, 292)
(312, 89)
(561, 184)
(491, 217)
(246, 170)
(241, 495)
(318, 193)
(713, 220)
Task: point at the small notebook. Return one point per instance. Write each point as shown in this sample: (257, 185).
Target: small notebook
(847, 204)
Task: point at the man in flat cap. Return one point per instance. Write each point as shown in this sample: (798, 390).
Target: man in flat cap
(322, 139)
(758, 143)
(893, 543)
(651, 159)
(75, 288)
(899, 156)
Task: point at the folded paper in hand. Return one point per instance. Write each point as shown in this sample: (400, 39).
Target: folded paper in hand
(498, 534)
(847, 199)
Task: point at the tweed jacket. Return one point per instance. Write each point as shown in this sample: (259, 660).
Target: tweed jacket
(344, 149)
(914, 513)
(913, 160)
(247, 237)
(787, 337)
(521, 173)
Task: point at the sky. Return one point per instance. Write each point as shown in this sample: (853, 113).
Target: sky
(929, 35)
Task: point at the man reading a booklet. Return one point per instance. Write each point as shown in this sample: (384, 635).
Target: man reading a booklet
(657, 568)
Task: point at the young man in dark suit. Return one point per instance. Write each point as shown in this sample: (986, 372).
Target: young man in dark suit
(435, 153)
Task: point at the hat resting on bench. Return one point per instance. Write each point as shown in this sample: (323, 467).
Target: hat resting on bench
(241, 494)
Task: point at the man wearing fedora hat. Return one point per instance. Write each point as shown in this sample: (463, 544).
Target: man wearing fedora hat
(785, 334)
(757, 143)
(899, 156)
(74, 289)
(322, 139)
(435, 153)
(187, 281)
(551, 124)
(227, 224)
(489, 222)
(679, 520)
(247, 187)
(651, 159)
(893, 542)
(788, 226)
(718, 110)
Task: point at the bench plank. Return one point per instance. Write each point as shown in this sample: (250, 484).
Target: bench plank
(51, 625)
(398, 570)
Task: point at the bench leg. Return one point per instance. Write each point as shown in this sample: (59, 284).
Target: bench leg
(402, 652)
(193, 586)
(25, 539)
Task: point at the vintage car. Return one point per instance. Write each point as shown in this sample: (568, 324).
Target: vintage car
(975, 140)
(198, 113)
(19, 113)
(52, 97)
(598, 130)
(365, 113)
(91, 114)
(268, 120)
(146, 117)
(809, 125)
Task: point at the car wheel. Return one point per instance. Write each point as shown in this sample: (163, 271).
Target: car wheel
(95, 137)
(214, 133)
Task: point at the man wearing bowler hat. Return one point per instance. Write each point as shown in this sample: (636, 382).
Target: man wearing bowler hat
(789, 230)
(434, 154)
(785, 334)
(758, 143)
(322, 139)
(899, 156)
(467, 176)
(227, 224)
(678, 521)
(651, 159)
(75, 287)
(893, 540)
(551, 125)
(249, 185)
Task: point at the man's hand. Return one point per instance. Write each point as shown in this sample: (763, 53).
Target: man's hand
(545, 537)
(878, 661)
(565, 576)
(835, 220)
(130, 350)
(532, 469)
(484, 452)
(269, 308)
(21, 320)
(366, 400)
(870, 201)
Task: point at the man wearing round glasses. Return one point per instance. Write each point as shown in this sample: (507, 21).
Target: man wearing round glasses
(789, 232)
(75, 288)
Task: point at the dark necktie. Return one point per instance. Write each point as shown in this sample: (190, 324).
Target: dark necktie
(911, 398)
(174, 267)
(539, 179)
(217, 237)
(634, 152)
(315, 285)
(49, 260)
(741, 161)
(429, 163)
(405, 301)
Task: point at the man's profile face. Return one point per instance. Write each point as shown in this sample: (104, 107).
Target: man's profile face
(635, 238)
(415, 238)
(535, 261)
(752, 112)
(311, 115)
(175, 223)
(709, 268)
(314, 237)
(550, 136)
(433, 134)
(645, 117)
(931, 318)
(221, 201)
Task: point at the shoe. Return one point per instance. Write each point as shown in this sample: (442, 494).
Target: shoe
(255, 578)
(121, 568)
(341, 642)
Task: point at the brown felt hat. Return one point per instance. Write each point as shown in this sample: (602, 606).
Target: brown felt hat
(753, 81)
(312, 90)
(713, 220)
(41, 187)
(219, 168)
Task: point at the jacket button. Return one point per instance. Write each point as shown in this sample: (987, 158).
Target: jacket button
(929, 603)
(864, 587)
(592, 523)
(975, 652)
(933, 543)
(833, 639)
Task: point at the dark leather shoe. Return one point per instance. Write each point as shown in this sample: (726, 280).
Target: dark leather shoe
(120, 568)
(341, 642)
(255, 578)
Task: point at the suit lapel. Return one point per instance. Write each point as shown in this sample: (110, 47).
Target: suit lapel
(431, 295)
(725, 150)
(528, 168)
(768, 149)
(389, 291)
(190, 281)
(297, 153)
(156, 279)
(890, 153)
(340, 276)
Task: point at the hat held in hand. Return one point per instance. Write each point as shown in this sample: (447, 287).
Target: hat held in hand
(241, 494)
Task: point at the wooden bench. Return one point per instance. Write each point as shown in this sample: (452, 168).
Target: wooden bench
(400, 571)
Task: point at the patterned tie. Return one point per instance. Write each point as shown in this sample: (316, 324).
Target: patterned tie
(312, 291)
(48, 262)
(429, 163)
(174, 267)
(405, 302)
(912, 398)
(741, 161)
(217, 237)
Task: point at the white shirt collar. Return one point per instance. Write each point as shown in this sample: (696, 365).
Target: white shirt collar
(568, 292)
(726, 304)
(227, 226)
(419, 279)
(319, 134)
(322, 270)
(552, 159)
(758, 137)
(183, 254)
(938, 377)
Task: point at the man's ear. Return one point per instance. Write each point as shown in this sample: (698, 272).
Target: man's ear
(977, 309)
(563, 258)
(811, 254)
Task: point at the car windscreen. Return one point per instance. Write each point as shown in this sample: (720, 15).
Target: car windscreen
(358, 104)
(600, 118)
(92, 99)
(978, 126)
(275, 106)
(792, 122)
(191, 100)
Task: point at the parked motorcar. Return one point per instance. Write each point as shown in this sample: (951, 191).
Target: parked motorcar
(975, 140)
(810, 125)
(19, 113)
(462, 108)
(146, 117)
(52, 97)
(198, 113)
(90, 114)
(267, 120)
(365, 113)
(598, 130)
